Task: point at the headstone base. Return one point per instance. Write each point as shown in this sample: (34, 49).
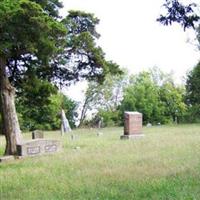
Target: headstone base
(134, 136)
(6, 158)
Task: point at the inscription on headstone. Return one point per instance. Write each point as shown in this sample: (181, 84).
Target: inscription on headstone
(132, 125)
(50, 148)
(33, 150)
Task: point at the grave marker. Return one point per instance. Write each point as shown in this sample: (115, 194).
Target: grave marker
(132, 125)
(38, 147)
(37, 134)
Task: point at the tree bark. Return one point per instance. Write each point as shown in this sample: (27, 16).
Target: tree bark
(10, 124)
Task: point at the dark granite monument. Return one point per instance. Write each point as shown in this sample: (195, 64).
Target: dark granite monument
(132, 125)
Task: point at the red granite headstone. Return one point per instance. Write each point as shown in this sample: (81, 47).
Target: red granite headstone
(132, 124)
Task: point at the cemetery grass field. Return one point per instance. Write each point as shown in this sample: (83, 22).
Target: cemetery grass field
(165, 164)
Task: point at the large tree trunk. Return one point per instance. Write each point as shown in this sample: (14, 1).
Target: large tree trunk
(10, 124)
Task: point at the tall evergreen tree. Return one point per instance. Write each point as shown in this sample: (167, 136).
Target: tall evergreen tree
(27, 33)
(33, 39)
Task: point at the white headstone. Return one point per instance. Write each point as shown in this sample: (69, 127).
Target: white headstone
(149, 125)
(65, 127)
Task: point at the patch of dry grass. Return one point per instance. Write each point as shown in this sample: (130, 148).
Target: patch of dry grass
(162, 165)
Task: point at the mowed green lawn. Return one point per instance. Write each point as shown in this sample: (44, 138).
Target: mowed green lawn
(165, 164)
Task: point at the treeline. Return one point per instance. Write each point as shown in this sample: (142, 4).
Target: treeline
(153, 93)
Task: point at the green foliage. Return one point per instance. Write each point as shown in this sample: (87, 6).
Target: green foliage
(39, 105)
(33, 38)
(142, 95)
(33, 104)
(105, 98)
(83, 56)
(154, 95)
(193, 93)
(193, 86)
(109, 93)
(26, 29)
(79, 22)
(192, 114)
(70, 108)
(110, 118)
(185, 15)
(51, 7)
(172, 98)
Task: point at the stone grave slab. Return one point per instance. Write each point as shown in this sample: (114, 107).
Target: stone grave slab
(6, 158)
(38, 147)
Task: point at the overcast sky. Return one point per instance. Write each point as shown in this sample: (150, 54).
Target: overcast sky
(131, 37)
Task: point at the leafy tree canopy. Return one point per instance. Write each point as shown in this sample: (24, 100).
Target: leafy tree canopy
(51, 7)
(193, 86)
(32, 40)
(84, 58)
(155, 95)
(142, 95)
(39, 105)
(27, 36)
(180, 13)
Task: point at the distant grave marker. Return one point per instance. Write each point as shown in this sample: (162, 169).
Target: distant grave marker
(37, 134)
(99, 126)
(100, 122)
(132, 125)
(149, 125)
(65, 127)
(99, 133)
